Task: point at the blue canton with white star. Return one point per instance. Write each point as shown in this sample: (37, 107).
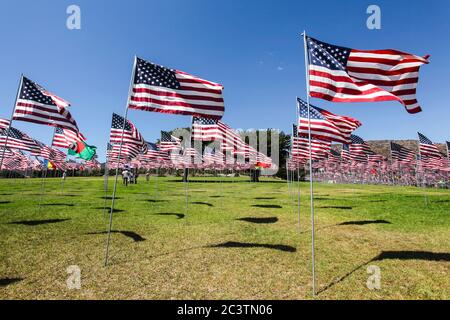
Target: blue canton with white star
(154, 75)
(314, 111)
(32, 91)
(327, 55)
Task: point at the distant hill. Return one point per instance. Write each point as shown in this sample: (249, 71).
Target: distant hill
(383, 146)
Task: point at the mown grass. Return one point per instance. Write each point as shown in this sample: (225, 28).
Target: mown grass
(237, 240)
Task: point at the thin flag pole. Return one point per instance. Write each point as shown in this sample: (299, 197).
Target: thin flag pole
(298, 171)
(311, 189)
(11, 121)
(118, 163)
(106, 180)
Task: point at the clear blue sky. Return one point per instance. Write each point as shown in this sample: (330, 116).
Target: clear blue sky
(253, 48)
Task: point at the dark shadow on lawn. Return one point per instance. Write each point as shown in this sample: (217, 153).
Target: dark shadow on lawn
(264, 198)
(363, 222)
(337, 207)
(413, 255)
(6, 194)
(401, 255)
(203, 203)
(110, 198)
(232, 244)
(270, 206)
(5, 202)
(58, 204)
(179, 215)
(108, 209)
(7, 281)
(440, 201)
(38, 222)
(377, 201)
(130, 234)
(259, 220)
(154, 201)
(215, 196)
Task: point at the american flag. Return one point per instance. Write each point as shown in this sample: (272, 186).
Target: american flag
(64, 137)
(37, 105)
(345, 152)
(300, 146)
(427, 147)
(132, 138)
(402, 154)
(4, 123)
(359, 149)
(16, 139)
(160, 89)
(169, 142)
(324, 124)
(341, 74)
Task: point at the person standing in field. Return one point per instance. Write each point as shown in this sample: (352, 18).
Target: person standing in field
(125, 176)
(64, 175)
(147, 176)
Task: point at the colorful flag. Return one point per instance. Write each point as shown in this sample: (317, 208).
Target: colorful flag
(82, 150)
(324, 124)
(37, 105)
(341, 74)
(160, 89)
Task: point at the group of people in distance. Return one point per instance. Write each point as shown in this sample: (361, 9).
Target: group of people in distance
(129, 177)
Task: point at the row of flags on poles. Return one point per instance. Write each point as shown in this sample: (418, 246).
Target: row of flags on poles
(37, 105)
(342, 74)
(335, 73)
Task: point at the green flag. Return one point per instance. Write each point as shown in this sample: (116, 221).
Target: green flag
(82, 150)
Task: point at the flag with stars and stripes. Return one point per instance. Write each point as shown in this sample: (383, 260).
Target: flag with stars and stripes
(402, 154)
(132, 138)
(160, 89)
(359, 149)
(341, 74)
(15, 139)
(345, 152)
(62, 138)
(324, 124)
(427, 148)
(37, 105)
(168, 142)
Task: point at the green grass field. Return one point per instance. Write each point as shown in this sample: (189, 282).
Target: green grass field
(237, 240)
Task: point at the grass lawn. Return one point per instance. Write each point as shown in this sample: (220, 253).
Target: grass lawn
(237, 240)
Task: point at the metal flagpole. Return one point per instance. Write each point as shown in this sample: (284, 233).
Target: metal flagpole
(118, 163)
(310, 169)
(298, 173)
(11, 120)
(106, 180)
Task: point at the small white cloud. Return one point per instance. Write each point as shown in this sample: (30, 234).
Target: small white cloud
(280, 68)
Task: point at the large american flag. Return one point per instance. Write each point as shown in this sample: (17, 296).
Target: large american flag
(15, 139)
(427, 148)
(132, 138)
(341, 74)
(37, 105)
(402, 154)
(160, 89)
(324, 124)
(64, 137)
